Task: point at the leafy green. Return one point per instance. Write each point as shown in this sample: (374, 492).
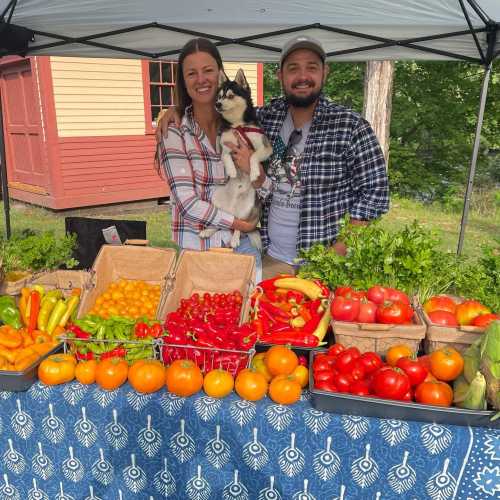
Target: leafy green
(37, 252)
(408, 259)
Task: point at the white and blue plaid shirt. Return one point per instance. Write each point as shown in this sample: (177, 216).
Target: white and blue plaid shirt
(342, 171)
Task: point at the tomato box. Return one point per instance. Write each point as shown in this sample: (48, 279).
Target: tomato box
(379, 337)
(371, 406)
(460, 338)
(113, 262)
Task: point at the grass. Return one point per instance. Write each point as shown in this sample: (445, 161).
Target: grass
(480, 229)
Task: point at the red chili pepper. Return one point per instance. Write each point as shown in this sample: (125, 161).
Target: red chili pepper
(119, 352)
(324, 289)
(245, 336)
(141, 330)
(294, 338)
(79, 333)
(156, 330)
(34, 309)
(274, 312)
(311, 325)
(84, 356)
(295, 296)
(176, 334)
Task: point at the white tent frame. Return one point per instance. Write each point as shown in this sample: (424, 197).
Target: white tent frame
(487, 53)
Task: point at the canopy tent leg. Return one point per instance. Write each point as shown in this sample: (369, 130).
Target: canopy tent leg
(3, 174)
(475, 151)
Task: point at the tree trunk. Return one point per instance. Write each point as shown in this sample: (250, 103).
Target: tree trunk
(377, 105)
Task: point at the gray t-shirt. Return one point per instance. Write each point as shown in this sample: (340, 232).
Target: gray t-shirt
(284, 212)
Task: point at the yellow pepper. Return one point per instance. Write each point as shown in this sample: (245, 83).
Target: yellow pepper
(56, 315)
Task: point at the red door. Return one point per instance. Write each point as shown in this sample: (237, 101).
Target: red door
(22, 126)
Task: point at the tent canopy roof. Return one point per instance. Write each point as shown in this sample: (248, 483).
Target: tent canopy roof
(255, 30)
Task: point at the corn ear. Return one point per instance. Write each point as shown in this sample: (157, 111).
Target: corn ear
(472, 360)
(474, 398)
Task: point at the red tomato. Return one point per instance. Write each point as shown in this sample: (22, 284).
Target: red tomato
(325, 386)
(335, 349)
(394, 313)
(416, 371)
(323, 362)
(345, 357)
(341, 291)
(360, 388)
(356, 369)
(390, 383)
(394, 295)
(323, 376)
(443, 318)
(343, 309)
(343, 382)
(355, 295)
(440, 303)
(371, 362)
(485, 319)
(434, 393)
(367, 311)
(377, 294)
(468, 310)
(409, 396)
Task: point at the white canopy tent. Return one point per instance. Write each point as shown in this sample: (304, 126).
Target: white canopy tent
(255, 30)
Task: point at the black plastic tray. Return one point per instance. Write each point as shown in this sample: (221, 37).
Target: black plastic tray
(347, 404)
(22, 381)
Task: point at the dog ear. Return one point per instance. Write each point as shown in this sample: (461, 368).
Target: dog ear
(241, 80)
(222, 78)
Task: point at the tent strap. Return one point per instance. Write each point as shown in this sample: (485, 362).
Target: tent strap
(475, 151)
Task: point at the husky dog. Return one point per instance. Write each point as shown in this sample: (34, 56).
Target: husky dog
(238, 196)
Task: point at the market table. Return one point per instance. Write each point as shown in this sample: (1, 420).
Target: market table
(76, 442)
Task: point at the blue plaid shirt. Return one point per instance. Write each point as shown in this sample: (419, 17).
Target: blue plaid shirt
(343, 171)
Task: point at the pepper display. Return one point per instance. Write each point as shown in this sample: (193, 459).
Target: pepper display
(291, 311)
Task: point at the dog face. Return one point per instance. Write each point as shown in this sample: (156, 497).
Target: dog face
(234, 98)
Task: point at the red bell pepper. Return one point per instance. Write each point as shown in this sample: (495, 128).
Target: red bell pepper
(119, 352)
(84, 355)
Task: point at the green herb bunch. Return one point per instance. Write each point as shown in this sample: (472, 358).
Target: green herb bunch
(30, 251)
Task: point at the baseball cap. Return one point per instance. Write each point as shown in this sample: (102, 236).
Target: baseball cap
(302, 42)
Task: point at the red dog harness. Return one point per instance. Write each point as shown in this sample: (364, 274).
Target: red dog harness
(242, 131)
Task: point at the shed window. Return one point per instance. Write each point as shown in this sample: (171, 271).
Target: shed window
(161, 86)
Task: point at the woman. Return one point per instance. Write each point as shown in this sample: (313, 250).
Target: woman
(190, 155)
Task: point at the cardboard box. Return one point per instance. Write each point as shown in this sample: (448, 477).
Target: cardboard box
(64, 280)
(213, 272)
(114, 262)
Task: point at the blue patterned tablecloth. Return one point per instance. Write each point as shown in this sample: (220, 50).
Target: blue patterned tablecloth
(78, 442)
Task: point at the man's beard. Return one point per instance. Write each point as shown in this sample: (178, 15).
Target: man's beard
(302, 102)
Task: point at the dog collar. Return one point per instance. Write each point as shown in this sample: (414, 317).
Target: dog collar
(243, 133)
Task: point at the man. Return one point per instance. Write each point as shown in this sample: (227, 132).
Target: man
(326, 162)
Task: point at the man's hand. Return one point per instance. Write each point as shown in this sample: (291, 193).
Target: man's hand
(165, 118)
(339, 246)
(241, 156)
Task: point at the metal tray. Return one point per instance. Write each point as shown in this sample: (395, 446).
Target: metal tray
(22, 381)
(347, 404)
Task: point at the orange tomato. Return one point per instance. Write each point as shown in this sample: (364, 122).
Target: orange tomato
(147, 375)
(111, 373)
(284, 390)
(468, 310)
(395, 353)
(57, 369)
(281, 360)
(85, 371)
(184, 378)
(446, 364)
(301, 374)
(440, 303)
(259, 365)
(434, 393)
(218, 383)
(250, 385)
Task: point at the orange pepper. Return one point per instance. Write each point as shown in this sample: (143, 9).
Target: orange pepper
(76, 291)
(9, 337)
(4, 363)
(7, 353)
(43, 348)
(40, 337)
(25, 362)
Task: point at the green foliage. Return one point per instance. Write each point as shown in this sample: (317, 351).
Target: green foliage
(408, 259)
(37, 252)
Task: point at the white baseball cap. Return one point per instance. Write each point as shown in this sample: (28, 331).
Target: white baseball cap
(302, 42)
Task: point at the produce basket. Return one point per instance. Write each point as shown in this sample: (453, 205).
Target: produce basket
(460, 338)
(212, 272)
(348, 404)
(114, 262)
(23, 380)
(64, 280)
(379, 337)
(8, 287)
(208, 358)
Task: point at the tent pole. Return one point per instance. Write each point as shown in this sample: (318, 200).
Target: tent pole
(475, 151)
(3, 173)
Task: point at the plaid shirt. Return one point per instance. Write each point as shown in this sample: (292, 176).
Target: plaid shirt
(193, 170)
(343, 170)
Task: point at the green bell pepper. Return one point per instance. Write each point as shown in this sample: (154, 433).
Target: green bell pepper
(9, 313)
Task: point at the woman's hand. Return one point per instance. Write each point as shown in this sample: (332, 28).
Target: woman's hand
(165, 118)
(240, 153)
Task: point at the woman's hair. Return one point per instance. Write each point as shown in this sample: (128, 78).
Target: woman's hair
(182, 98)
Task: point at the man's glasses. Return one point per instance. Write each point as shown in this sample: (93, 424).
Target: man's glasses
(293, 140)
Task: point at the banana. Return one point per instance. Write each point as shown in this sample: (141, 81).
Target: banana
(309, 288)
(473, 398)
(472, 360)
